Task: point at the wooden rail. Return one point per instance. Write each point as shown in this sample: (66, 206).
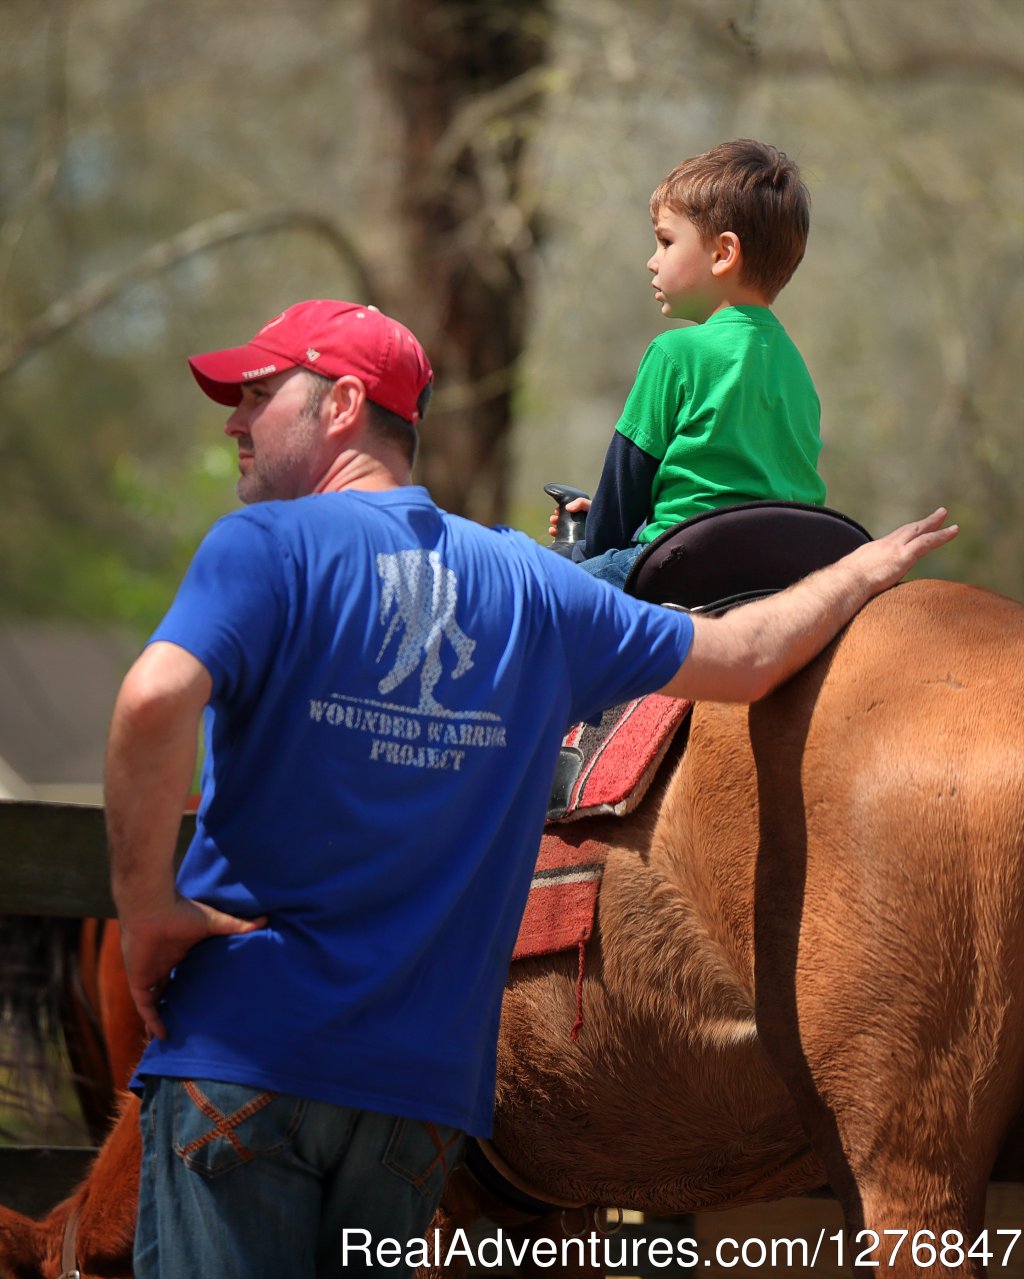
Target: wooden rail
(53, 859)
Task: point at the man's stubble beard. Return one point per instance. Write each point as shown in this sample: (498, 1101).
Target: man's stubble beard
(266, 481)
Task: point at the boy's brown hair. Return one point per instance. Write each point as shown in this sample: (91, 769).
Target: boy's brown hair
(753, 190)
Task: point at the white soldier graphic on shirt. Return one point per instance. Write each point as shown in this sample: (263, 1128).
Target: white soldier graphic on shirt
(419, 593)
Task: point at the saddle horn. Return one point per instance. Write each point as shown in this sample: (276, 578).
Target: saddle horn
(570, 526)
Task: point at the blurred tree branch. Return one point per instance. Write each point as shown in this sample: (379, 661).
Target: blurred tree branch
(910, 65)
(199, 238)
(53, 130)
(903, 65)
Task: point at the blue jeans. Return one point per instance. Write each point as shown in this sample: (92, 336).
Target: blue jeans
(245, 1184)
(613, 566)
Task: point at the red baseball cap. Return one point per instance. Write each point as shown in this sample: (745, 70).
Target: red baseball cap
(331, 338)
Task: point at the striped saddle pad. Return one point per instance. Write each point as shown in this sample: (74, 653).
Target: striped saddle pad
(604, 769)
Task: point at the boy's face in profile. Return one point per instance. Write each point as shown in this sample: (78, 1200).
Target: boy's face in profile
(681, 265)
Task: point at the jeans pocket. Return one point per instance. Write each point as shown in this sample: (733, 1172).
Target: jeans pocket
(219, 1126)
(423, 1154)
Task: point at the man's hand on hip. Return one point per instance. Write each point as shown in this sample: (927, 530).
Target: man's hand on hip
(152, 945)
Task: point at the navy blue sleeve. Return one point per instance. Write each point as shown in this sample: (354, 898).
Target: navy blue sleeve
(622, 502)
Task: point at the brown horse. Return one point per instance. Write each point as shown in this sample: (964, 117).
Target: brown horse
(104, 1036)
(103, 1033)
(808, 967)
(810, 956)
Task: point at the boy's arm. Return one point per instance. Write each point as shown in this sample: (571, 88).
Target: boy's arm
(622, 501)
(742, 656)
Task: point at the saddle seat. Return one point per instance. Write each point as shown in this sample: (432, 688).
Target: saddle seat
(719, 559)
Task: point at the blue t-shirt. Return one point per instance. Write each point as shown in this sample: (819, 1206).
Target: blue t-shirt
(390, 688)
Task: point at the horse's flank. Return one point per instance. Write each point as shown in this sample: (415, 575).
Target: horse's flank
(889, 951)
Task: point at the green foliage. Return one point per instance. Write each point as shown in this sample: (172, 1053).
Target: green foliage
(102, 516)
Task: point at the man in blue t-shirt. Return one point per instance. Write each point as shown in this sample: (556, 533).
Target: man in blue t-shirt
(383, 689)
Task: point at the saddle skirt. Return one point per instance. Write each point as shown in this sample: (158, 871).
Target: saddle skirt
(604, 769)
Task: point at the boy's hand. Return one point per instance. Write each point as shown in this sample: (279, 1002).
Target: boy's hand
(576, 505)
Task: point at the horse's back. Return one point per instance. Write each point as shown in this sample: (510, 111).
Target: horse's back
(940, 635)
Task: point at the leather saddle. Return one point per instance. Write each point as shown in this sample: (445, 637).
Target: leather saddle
(722, 558)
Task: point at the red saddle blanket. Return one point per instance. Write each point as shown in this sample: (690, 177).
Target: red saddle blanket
(611, 768)
(607, 767)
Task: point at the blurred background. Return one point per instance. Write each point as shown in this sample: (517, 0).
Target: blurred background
(176, 174)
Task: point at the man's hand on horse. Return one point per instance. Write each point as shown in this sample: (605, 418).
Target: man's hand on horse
(744, 655)
(887, 560)
(153, 945)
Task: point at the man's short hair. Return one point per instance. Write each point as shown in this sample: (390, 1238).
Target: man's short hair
(384, 424)
(749, 188)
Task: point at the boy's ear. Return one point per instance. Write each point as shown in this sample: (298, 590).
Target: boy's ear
(726, 253)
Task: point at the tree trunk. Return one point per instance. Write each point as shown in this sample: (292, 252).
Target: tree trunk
(466, 78)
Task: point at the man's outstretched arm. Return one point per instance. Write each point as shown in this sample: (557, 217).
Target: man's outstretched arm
(151, 757)
(745, 654)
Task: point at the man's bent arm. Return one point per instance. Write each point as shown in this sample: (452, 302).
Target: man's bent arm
(151, 756)
(151, 759)
(745, 654)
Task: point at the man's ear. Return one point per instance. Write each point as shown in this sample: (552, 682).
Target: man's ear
(726, 254)
(344, 403)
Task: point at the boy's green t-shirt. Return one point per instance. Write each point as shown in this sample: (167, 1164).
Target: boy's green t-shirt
(729, 410)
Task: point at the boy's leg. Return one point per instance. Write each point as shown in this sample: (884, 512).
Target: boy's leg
(612, 566)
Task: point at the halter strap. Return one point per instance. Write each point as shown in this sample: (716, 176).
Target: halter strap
(69, 1246)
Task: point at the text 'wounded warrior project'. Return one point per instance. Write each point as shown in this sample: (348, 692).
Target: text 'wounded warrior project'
(419, 595)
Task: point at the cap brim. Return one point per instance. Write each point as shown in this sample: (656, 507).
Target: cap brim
(222, 374)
